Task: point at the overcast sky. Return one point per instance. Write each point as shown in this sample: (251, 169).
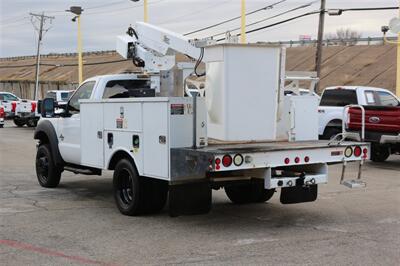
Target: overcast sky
(103, 20)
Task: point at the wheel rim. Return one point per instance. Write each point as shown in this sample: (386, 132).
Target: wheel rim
(126, 187)
(42, 166)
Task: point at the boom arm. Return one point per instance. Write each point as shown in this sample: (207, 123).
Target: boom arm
(155, 48)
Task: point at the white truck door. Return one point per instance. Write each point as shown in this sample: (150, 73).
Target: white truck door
(69, 136)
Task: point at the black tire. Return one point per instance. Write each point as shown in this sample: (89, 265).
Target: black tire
(1, 125)
(19, 122)
(135, 195)
(330, 132)
(379, 153)
(31, 123)
(248, 193)
(48, 174)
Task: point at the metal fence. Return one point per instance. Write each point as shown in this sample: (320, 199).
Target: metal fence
(330, 42)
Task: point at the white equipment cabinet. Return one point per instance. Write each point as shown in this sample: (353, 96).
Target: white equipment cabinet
(152, 127)
(242, 85)
(299, 121)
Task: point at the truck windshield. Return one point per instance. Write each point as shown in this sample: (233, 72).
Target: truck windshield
(128, 89)
(8, 97)
(339, 97)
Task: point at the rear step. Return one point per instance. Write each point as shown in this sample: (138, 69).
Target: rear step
(77, 169)
(354, 183)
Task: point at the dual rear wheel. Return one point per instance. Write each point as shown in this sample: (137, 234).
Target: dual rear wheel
(253, 192)
(135, 194)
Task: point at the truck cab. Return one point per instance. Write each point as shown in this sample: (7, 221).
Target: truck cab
(67, 123)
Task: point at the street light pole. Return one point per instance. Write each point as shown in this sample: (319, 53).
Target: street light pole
(318, 56)
(243, 23)
(77, 10)
(145, 11)
(80, 61)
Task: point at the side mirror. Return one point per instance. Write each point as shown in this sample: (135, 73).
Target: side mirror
(47, 107)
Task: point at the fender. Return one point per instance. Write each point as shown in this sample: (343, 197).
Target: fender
(45, 132)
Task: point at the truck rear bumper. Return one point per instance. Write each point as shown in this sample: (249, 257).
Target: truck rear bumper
(390, 139)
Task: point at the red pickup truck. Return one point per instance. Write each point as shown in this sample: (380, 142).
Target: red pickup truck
(382, 129)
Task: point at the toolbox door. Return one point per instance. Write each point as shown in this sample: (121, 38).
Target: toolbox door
(156, 140)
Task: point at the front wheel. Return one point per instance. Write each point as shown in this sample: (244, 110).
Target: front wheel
(248, 193)
(48, 174)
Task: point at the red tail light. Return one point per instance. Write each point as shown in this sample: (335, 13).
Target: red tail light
(306, 159)
(33, 105)
(287, 161)
(357, 151)
(13, 107)
(2, 114)
(227, 160)
(297, 160)
(217, 162)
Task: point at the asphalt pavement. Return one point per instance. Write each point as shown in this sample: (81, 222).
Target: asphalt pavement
(79, 224)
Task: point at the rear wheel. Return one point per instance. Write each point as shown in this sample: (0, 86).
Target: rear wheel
(19, 122)
(135, 195)
(379, 153)
(331, 132)
(48, 174)
(253, 192)
(31, 123)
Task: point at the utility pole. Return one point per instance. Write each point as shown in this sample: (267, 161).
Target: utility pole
(41, 19)
(243, 23)
(398, 64)
(318, 56)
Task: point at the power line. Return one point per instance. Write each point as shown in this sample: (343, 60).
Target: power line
(123, 9)
(277, 23)
(313, 13)
(269, 18)
(234, 18)
(194, 12)
(68, 65)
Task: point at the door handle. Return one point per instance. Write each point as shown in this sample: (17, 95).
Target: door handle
(110, 140)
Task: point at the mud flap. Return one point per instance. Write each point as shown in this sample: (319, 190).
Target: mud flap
(298, 194)
(189, 199)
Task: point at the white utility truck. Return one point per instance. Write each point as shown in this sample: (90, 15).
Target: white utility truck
(164, 140)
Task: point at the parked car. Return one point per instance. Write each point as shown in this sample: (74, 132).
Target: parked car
(26, 113)
(22, 111)
(382, 129)
(60, 96)
(334, 99)
(2, 116)
(9, 102)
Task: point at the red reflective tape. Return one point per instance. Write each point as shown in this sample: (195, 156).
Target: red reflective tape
(44, 251)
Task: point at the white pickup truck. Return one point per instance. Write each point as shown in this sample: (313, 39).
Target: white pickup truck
(60, 96)
(22, 111)
(9, 103)
(334, 100)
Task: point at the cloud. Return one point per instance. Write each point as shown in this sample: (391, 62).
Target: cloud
(100, 25)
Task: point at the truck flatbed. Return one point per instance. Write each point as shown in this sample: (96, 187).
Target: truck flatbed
(222, 148)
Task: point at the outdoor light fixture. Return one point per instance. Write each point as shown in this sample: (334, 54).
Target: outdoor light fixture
(335, 12)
